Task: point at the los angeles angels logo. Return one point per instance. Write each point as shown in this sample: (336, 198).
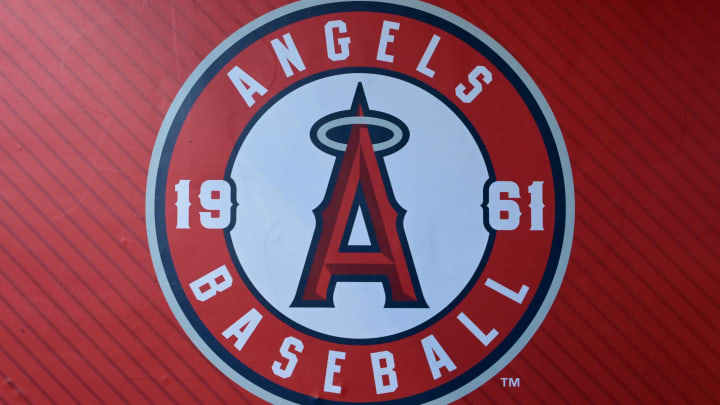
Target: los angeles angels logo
(359, 202)
(359, 187)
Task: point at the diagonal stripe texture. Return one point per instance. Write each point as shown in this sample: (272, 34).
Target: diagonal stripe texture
(84, 87)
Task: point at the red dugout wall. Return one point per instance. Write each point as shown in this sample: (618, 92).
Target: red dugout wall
(84, 86)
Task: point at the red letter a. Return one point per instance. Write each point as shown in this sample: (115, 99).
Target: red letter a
(359, 181)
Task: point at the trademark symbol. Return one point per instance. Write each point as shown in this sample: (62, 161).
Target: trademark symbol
(510, 382)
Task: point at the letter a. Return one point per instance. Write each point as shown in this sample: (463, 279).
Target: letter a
(360, 186)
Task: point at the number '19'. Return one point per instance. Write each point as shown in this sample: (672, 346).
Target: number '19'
(215, 196)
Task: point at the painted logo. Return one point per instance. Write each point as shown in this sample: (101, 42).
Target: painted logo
(359, 201)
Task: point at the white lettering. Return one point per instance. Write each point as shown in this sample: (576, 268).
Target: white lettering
(536, 205)
(287, 54)
(291, 357)
(222, 204)
(476, 85)
(333, 368)
(497, 206)
(436, 357)
(210, 281)
(243, 328)
(182, 188)
(246, 85)
(385, 39)
(515, 296)
(380, 371)
(343, 42)
(470, 325)
(429, 51)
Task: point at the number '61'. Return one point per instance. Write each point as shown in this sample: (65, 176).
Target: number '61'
(504, 215)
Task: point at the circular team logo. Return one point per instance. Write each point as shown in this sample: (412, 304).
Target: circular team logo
(359, 201)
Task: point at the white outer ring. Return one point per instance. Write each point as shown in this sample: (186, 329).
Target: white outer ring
(418, 5)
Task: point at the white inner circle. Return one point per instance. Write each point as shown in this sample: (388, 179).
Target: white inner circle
(437, 177)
